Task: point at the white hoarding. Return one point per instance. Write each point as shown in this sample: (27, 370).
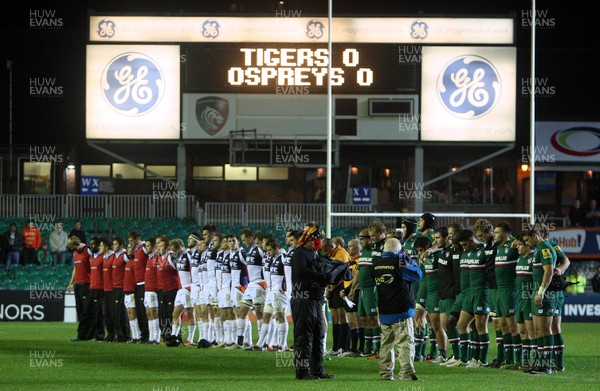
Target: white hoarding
(468, 94)
(132, 92)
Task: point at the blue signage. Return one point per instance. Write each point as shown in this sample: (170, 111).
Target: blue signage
(361, 195)
(90, 185)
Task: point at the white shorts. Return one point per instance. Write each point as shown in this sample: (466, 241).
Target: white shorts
(280, 301)
(195, 295)
(236, 297)
(183, 298)
(204, 298)
(129, 300)
(255, 293)
(225, 298)
(269, 298)
(213, 295)
(150, 299)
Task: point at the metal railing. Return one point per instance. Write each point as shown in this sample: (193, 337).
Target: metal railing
(276, 214)
(106, 206)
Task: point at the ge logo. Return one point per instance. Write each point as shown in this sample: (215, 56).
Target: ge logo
(106, 28)
(418, 30)
(210, 29)
(314, 29)
(469, 86)
(132, 84)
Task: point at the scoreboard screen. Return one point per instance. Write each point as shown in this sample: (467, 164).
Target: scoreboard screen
(275, 67)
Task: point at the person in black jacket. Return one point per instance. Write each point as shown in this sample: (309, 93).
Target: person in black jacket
(12, 245)
(308, 289)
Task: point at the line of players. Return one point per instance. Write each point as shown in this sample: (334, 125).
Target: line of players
(471, 275)
(139, 293)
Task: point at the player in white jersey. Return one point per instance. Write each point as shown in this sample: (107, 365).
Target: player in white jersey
(254, 296)
(281, 271)
(194, 256)
(208, 234)
(265, 330)
(225, 306)
(217, 318)
(204, 298)
(239, 284)
(183, 300)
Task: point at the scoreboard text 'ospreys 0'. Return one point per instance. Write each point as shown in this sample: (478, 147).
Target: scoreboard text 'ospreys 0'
(262, 67)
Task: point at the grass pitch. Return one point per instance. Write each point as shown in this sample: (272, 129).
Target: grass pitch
(38, 356)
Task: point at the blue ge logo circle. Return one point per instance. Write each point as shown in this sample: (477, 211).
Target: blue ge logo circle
(211, 29)
(419, 29)
(132, 83)
(469, 86)
(106, 28)
(314, 29)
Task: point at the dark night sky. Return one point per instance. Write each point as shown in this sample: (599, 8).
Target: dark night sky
(567, 55)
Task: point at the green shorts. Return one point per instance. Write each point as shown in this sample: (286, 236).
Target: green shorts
(433, 302)
(421, 296)
(560, 303)
(367, 301)
(467, 302)
(548, 305)
(457, 305)
(446, 305)
(491, 295)
(506, 299)
(523, 310)
(480, 302)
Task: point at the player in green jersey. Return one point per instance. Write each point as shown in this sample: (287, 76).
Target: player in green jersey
(431, 264)
(523, 284)
(562, 264)
(475, 306)
(505, 262)
(544, 301)
(425, 228)
(365, 253)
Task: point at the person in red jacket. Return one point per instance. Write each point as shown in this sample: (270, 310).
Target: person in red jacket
(32, 240)
(118, 278)
(96, 330)
(80, 284)
(151, 292)
(107, 262)
(139, 269)
(168, 283)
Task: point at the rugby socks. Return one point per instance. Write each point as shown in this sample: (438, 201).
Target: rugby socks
(156, 327)
(454, 342)
(263, 333)
(135, 329)
(248, 333)
(175, 329)
(559, 349)
(282, 331)
(218, 325)
(433, 347)
(526, 354)
(345, 336)
(517, 346)
(355, 336)
(425, 335)
(361, 339)
(464, 347)
(484, 346)
(273, 336)
(229, 334)
(336, 337)
(376, 339)
(499, 347)
(368, 340)
(241, 330)
(509, 354)
(548, 351)
(191, 332)
(473, 344)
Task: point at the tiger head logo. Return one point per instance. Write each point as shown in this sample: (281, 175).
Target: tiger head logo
(212, 113)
